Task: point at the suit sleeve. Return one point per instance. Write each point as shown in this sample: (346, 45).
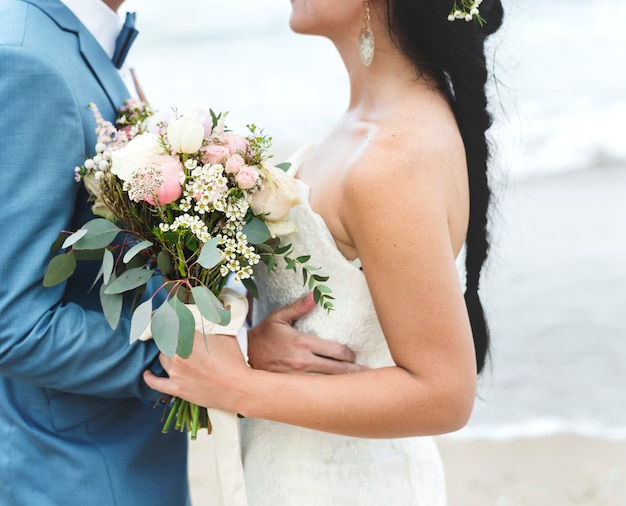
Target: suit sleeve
(45, 339)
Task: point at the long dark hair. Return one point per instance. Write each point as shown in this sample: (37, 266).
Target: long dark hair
(453, 52)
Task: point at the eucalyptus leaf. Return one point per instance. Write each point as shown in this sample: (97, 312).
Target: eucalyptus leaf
(256, 231)
(107, 266)
(186, 328)
(208, 304)
(111, 306)
(60, 268)
(58, 242)
(164, 263)
(136, 262)
(79, 234)
(128, 280)
(97, 278)
(135, 250)
(89, 254)
(283, 166)
(164, 329)
(140, 320)
(100, 233)
(210, 256)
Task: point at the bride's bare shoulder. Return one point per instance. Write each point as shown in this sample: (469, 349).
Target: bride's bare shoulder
(419, 145)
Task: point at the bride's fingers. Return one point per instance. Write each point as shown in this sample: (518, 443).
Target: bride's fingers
(296, 310)
(166, 362)
(331, 349)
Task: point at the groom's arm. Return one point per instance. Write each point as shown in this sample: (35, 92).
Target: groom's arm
(275, 345)
(46, 339)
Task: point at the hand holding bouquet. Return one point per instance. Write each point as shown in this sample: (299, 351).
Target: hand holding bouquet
(182, 198)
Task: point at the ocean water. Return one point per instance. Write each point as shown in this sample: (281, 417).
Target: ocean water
(556, 304)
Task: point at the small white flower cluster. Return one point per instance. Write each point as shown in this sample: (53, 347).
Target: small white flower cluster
(234, 248)
(143, 183)
(207, 186)
(467, 11)
(206, 190)
(187, 221)
(97, 165)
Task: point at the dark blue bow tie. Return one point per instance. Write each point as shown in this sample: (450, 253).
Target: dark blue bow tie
(124, 40)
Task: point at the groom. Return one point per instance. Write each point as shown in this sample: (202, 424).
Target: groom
(77, 425)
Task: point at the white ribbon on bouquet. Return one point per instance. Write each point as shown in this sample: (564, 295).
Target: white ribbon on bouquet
(225, 425)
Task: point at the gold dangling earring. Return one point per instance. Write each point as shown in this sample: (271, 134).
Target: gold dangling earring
(366, 38)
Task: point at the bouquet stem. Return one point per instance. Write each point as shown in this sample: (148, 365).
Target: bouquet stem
(186, 416)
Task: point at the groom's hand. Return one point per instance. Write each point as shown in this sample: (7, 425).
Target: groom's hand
(274, 345)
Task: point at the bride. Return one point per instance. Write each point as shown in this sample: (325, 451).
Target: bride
(388, 200)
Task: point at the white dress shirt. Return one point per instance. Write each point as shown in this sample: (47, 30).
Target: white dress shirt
(105, 25)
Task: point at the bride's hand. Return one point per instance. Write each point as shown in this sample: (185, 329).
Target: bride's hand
(275, 345)
(208, 377)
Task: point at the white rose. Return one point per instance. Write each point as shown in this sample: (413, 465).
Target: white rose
(282, 228)
(277, 197)
(186, 133)
(135, 155)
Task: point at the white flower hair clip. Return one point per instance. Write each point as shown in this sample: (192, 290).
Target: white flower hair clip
(467, 10)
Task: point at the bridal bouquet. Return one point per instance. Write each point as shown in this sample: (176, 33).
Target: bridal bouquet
(181, 198)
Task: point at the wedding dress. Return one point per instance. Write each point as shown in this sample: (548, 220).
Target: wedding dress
(292, 466)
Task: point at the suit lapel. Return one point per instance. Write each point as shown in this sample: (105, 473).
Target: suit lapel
(95, 57)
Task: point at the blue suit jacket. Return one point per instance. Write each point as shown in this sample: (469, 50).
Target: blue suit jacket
(77, 425)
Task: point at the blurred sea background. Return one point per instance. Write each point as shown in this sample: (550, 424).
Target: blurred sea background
(555, 289)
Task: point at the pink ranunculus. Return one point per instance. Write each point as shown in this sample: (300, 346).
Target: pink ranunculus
(214, 153)
(234, 164)
(157, 123)
(236, 143)
(170, 190)
(247, 177)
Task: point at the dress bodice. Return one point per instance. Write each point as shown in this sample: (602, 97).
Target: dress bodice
(353, 321)
(287, 465)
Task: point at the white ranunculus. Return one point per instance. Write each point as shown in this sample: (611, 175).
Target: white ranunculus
(135, 155)
(275, 200)
(186, 133)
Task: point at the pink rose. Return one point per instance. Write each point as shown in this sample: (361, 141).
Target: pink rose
(171, 169)
(214, 153)
(234, 164)
(236, 143)
(247, 177)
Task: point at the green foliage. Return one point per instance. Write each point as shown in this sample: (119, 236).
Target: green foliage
(186, 327)
(129, 280)
(100, 233)
(210, 255)
(59, 269)
(140, 320)
(257, 232)
(210, 306)
(111, 306)
(164, 329)
(285, 166)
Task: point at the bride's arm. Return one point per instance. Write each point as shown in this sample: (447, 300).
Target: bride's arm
(400, 225)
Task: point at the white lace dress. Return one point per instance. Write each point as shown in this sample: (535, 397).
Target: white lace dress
(291, 466)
